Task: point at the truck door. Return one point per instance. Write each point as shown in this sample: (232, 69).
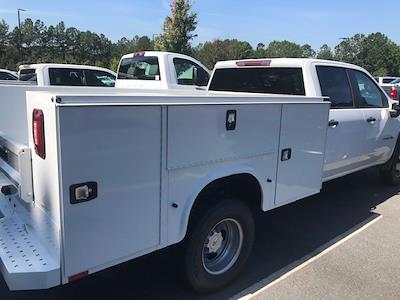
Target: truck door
(345, 150)
(187, 74)
(380, 135)
(301, 151)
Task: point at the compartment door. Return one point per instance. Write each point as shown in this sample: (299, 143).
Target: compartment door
(119, 149)
(301, 151)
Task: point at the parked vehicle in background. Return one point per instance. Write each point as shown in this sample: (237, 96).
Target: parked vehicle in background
(393, 89)
(66, 75)
(385, 80)
(161, 70)
(8, 75)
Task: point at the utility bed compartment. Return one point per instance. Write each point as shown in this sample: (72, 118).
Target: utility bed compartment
(120, 173)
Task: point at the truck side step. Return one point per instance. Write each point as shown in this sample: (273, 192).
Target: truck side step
(24, 262)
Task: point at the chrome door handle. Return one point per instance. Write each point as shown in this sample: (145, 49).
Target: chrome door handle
(371, 120)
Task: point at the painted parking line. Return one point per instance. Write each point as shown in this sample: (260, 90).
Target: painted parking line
(287, 271)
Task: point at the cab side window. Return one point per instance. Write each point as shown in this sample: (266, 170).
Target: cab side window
(66, 77)
(99, 78)
(335, 84)
(366, 92)
(190, 73)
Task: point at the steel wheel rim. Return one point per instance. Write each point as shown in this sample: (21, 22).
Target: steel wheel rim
(222, 246)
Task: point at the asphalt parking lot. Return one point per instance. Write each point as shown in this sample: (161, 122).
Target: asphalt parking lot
(342, 243)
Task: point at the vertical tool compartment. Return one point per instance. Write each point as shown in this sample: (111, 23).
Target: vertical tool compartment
(301, 151)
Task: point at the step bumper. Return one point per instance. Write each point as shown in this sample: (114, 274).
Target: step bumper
(24, 262)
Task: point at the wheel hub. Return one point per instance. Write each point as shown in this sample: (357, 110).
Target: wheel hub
(222, 246)
(215, 242)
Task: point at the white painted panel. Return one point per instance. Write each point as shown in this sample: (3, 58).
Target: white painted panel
(304, 132)
(380, 135)
(13, 121)
(119, 148)
(200, 150)
(197, 134)
(346, 145)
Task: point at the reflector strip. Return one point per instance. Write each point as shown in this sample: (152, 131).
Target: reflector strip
(78, 276)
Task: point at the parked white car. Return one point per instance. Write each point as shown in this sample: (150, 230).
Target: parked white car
(8, 75)
(66, 75)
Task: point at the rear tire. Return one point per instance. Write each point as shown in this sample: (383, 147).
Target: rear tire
(390, 172)
(218, 245)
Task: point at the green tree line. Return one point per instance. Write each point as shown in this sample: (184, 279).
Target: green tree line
(39, 43)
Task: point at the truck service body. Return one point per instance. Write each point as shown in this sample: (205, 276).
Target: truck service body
(95, 177)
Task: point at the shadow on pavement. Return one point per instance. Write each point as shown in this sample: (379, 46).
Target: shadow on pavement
(284, 236)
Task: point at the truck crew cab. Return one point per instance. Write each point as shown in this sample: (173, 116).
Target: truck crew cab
(363, 127)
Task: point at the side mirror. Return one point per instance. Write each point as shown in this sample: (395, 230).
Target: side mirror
(395, 111)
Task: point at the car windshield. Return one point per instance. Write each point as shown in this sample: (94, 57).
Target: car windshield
(140, 68)
(7, 76)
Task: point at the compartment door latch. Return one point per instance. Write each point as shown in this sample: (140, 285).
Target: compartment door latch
(231, 120)
(286, 154)
(82, 192)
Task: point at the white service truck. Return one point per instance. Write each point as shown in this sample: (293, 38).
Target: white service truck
(92, 177)
(161, 70)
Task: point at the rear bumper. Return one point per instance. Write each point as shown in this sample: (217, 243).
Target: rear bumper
(24, 262)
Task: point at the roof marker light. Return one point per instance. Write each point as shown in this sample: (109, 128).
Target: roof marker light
(254, 63)
(138, 54)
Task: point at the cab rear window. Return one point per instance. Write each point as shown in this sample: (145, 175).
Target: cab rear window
(28, 75)
(285, 81)
(140, 68)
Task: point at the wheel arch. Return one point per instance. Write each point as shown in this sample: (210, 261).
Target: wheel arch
(237, 182)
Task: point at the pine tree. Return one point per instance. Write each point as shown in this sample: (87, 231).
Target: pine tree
(178, 29)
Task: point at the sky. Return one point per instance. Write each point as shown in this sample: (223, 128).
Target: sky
(315, 22)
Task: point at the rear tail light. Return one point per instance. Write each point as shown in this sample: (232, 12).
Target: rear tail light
(38, 132)
(394, 93)
(253, 63)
